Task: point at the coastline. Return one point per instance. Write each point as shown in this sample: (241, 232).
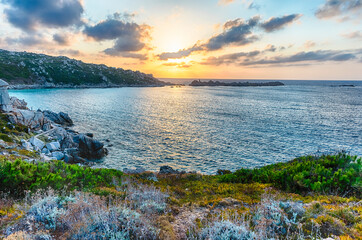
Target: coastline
(82, 86)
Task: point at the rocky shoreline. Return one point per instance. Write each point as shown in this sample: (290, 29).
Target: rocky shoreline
(70, 86)
(199, 83)
(51, 134)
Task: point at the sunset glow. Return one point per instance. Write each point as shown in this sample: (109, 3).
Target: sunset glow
(186, 39)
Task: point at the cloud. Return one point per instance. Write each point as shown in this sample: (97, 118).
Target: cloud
(116, 53)
(180, 54)
(314, 56)
(70, 52)
(229, 58)
(236, 32)
(225, 2)
(128, 36)
(179, 65)
(276, 23)
(253, 5)
(127, 43)
(335, 8)
(29, 14)
(27, 40)
(113, 28)
(256, 58)
(309, 44)
(270, 48)
(62, 39)
(353, 35)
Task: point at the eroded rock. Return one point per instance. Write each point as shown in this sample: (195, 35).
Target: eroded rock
(59, 118)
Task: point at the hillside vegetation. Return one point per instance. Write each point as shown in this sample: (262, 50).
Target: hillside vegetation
(39, 69)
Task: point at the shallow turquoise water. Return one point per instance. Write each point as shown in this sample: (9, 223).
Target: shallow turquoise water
(210, 128)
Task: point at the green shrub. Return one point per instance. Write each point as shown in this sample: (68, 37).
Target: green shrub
(334, 174)
(18, 176)
(5, 137)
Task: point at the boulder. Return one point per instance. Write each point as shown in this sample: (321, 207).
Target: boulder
(90, 148)
(53, 146)
(91, 135)
(63, 137)
(26, 145)
(138, 170)
(33, 120)
(37, 143)
(59, 118)
(45, 151)
(18, 104)
(168, 170)
(58, 155)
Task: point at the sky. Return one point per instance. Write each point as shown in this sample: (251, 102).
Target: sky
(214, 39)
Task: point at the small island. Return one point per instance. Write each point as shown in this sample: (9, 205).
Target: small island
(198, 83)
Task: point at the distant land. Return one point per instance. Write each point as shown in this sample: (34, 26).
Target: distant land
(31, 70)
(197, 83)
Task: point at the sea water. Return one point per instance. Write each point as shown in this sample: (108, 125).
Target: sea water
(208, 128)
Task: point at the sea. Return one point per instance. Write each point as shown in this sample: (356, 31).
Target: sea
(204, 129)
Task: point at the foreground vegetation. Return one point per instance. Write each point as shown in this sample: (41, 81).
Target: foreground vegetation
(307, 198)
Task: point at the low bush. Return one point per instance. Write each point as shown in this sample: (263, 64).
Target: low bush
(18, 176)
(79, 215)
(329, 174)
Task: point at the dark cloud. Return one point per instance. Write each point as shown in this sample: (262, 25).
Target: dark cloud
(130, 43)
(334, 8)
(112, 29)
(254, 58)
(115, 53)
(229, 58)
(28, 14)
(180, 54)
(253, 5)
(235, 32)
(276, 23)
(70, 52)
(316, 56)
(128, 36)
(62, 39)
(270, 48)
(27, 40)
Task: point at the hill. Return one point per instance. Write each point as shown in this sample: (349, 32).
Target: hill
(23, 68)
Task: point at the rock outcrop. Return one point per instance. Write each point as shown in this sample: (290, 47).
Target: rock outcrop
(90, 148)
(60, 118)
(34, 120)
(62, 143)
(4, 97)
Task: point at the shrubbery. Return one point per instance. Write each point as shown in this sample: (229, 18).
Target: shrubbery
(330, 174)
(19, 176)
(79, 216)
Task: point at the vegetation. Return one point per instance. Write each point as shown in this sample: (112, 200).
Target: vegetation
(61, 201)
(328, 174)
(18, 176)
(31, 68)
